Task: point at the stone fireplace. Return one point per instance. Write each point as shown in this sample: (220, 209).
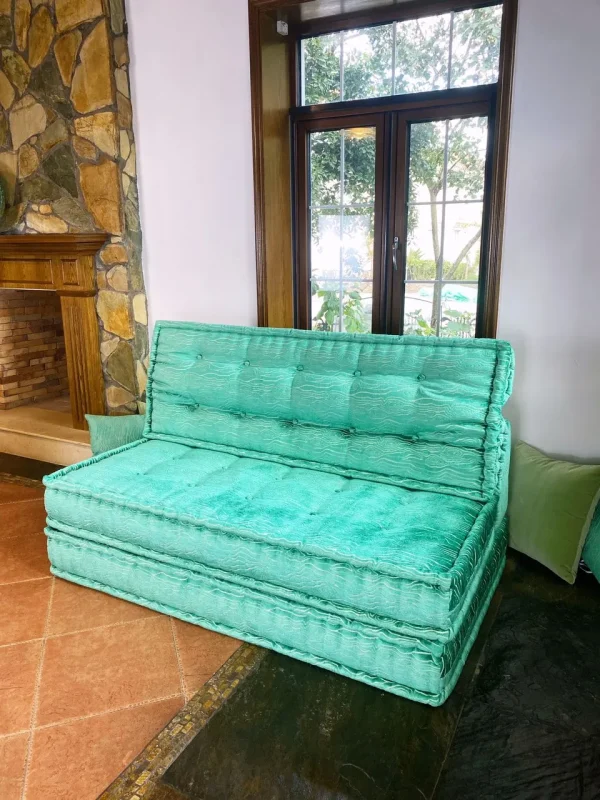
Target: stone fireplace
(68, 167)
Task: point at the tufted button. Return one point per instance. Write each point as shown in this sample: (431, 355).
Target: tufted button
(199, 356)
(194, 406)
(299, 367)
(421, 377)
(357, 373)
(246, 363)
(295, 422)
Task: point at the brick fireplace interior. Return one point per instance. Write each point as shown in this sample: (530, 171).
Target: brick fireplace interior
(33, 364)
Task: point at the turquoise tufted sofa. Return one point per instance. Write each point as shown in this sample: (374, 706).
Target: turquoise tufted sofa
(338, 498)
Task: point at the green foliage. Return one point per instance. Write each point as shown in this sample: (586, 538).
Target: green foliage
(328, 315)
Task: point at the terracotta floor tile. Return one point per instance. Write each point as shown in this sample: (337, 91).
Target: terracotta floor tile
(23, 610)
(13, 751)
(18, 519)
(98, 749)
(109, 668)
(18, 672)
(75, 608)
(202, 653)
(23, 558)
(11, 492)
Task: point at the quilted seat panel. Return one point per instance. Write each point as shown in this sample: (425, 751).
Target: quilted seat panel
(379, 548)
(421, 413)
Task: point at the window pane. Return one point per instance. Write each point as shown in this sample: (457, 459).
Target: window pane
(422, 54)
(359, 166)
(461, 48)
(421, 247)
(476, 46)
(367, 70)
(418, 308)
(462, 241)
(426, 166)
(325, 168)
(445, 215)
(459, 310)
(321, 68)
(467, 147)
(342, 229)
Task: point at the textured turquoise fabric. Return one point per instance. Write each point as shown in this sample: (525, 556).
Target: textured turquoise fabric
(108, 433)
(341, 537)
(423, 413)
(338, 498)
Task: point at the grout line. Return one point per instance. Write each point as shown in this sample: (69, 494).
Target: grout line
(14, 733)
(73, 633)
(103, 627)
(36, 694)
(70, 720)
(17, 502)
(26, 580)
(18, 644)
(182, 682)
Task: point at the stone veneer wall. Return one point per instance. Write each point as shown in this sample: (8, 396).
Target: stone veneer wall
(67, 159)
(33, 361)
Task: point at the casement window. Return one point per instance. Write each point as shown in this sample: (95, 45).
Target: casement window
(397, 190)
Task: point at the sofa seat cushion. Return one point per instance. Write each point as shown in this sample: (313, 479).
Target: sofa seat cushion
(382, 549)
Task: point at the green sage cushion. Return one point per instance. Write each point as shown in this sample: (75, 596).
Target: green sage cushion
(551, 507)
(108, 433)
(591, 551)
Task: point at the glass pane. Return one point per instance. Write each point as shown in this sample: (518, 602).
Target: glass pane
(321, 69)
(445, 215)
(422, 249)
(459, 310)
(326, 242)
(426, 166)
(476, 46)
(325, 168)
(422, 54)
(342, 229)
(367, 70)
(462, 241)
(467, 147)
(359, 165)
(418, 308)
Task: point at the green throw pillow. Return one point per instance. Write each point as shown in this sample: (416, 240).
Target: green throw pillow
(108, 433)
(551, 507)
(591, 551)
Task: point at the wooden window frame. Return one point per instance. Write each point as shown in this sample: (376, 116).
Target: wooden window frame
(274, 87)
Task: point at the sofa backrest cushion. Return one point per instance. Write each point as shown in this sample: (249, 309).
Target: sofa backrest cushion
(424, 413)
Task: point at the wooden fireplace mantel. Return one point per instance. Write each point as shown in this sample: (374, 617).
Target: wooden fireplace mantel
(64, 264)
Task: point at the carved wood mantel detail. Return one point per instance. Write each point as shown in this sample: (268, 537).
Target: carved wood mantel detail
(64, 264)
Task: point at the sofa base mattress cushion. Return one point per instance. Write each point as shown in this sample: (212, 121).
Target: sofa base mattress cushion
(410, 666)
(389, 551)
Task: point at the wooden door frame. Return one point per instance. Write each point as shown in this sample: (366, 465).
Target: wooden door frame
(271, 133)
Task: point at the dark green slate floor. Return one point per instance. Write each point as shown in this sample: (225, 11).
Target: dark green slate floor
(524, 721)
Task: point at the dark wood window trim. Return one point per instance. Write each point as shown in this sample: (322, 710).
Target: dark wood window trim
(274, 89)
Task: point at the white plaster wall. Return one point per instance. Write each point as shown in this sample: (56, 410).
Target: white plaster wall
(550, 289)
(197, 210)
(191, 95)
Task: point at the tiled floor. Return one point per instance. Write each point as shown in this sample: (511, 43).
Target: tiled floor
(86, 680)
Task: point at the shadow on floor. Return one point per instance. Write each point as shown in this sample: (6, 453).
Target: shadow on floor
(25, 467)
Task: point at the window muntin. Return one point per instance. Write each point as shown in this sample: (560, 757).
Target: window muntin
(444, 51)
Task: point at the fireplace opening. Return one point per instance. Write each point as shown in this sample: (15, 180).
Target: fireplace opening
(33, 361)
